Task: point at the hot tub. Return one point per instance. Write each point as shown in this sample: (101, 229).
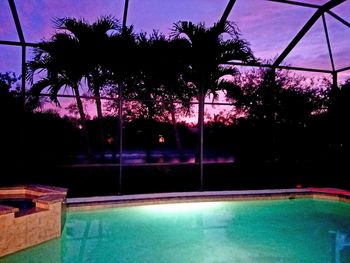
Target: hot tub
(30, 215)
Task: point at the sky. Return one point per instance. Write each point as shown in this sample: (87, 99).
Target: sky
(267, 26)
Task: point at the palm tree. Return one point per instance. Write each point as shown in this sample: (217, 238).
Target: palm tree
(156, 80)
(63, 64)
(209, 52)
(93, 40)
(121, 68)
(165, 61)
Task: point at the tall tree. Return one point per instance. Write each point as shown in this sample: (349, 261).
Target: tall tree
(59, 64)
(164, 62)
(210, 50)
(121, 65)
(93, 40)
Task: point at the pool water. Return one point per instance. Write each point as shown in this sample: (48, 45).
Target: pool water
(295, 231)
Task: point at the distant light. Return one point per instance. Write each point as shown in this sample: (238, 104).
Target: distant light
(80, 126)
(161, 139)
(110, 140)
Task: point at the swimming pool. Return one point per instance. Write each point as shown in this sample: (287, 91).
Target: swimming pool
(296, 230)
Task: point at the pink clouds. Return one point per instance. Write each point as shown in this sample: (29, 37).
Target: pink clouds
(10, 59)
(312, 50)
(343, 10)
(7, 26)
(268, 26)
(160, 15)
(36, 15)
(339, 35)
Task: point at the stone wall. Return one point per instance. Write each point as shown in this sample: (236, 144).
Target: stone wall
(22, 230)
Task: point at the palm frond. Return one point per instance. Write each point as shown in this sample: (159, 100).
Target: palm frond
(105, 24)
(77, 27)
(186, 28)
(235, 49)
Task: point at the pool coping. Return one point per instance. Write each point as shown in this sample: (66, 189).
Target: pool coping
(24, 228)
(41, 195)
(100, 202)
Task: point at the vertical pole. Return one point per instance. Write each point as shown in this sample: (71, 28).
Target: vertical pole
(23, 90)
(334, 93)
(273, 82)
(335, 80)
(273, 118)
(120, 104)
(273, 73)
(125, 15)
(201, 133)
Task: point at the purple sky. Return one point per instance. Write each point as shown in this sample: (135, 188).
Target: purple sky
(268, 26)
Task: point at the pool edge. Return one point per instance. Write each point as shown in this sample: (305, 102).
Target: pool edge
(102, 202)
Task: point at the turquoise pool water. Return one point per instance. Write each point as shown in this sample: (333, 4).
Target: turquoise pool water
(295, 231)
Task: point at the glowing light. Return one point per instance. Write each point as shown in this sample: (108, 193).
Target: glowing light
(161, 139)
(110, 140)
(181, 207)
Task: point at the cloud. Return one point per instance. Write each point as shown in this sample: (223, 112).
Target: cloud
(7, 27)
(268, 26)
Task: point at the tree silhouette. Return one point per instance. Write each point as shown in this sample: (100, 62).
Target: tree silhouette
(11, 118)
(278, 107)
(274, 97)
(60, 64)
(337, 120)
(163, 64)
(93, 40)
(209, 51)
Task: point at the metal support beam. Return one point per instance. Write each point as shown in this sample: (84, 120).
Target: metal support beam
(296, 3)
(200, 125)
(16, 20)
(24, 73)
(298, 37)
(227, 12)
(22, 44)
(339, 18)
(279, 67)
(343, 69)
(16, 43)
(335, 80)
(120, 150)
(120, 106)
(306, 28)
(328, 42)
(11, 43)
(125, 15)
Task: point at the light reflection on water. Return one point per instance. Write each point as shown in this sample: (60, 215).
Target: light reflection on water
(290, 231)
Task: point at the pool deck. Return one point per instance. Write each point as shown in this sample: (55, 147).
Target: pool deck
(99, 202)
